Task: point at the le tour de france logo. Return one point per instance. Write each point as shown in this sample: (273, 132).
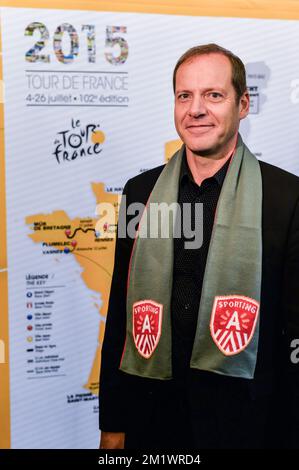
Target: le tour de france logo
(78, 141)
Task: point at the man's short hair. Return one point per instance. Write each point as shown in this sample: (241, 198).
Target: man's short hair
(238, 68)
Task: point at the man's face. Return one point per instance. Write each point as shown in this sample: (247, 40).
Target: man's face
(206, 113)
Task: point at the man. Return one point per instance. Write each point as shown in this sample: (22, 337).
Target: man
(198, 338)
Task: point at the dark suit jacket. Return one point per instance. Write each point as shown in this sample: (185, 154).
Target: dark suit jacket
(275, 377)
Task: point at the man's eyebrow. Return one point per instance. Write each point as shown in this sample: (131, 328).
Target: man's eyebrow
(183, 91)
(212, 88)
(215, 88)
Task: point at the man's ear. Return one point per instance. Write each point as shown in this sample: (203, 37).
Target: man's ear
(244, 105)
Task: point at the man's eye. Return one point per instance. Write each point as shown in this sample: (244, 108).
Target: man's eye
(183, 96)
(214, 96)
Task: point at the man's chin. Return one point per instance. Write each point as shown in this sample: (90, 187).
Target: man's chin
(202, 151)
(201, 147)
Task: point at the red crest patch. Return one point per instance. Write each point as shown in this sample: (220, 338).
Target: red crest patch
(147, 323)
(233, 322)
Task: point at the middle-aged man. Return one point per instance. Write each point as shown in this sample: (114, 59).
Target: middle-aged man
(198, 343)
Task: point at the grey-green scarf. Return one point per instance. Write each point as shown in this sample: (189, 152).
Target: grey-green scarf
(227, 332)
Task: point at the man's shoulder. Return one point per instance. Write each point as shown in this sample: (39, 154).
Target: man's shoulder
(140, 186)
(278, 177)
(275, 179)
(268, 171)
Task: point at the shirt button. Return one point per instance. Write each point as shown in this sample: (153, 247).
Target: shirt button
(187, 306)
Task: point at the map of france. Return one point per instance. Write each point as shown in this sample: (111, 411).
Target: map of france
(93, 250)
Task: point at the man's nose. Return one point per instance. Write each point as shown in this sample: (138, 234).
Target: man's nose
(197, 107)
